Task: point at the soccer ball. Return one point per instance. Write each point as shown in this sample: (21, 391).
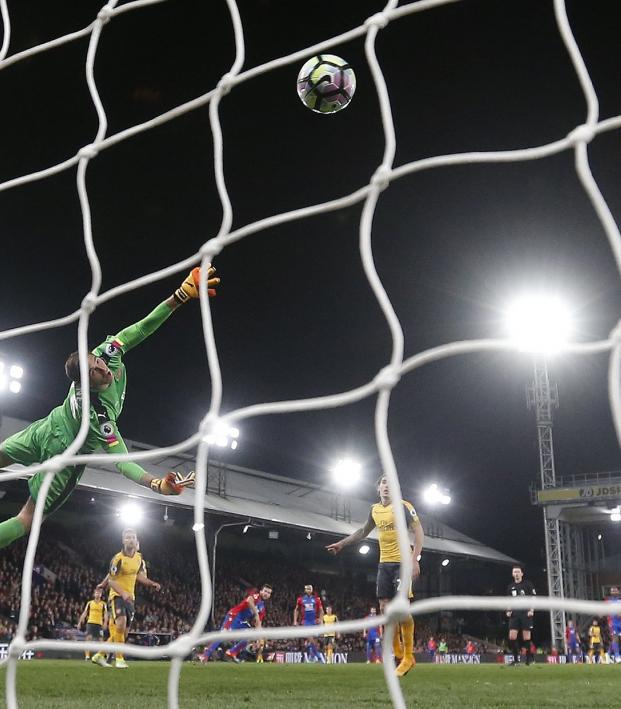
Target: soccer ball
(326, 83)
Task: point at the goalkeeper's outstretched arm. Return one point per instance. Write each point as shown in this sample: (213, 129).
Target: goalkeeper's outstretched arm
(170, 484)
(134, 334)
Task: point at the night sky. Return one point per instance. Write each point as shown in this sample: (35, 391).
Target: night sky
(295, 316)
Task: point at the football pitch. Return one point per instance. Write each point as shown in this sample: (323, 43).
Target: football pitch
(69, 684)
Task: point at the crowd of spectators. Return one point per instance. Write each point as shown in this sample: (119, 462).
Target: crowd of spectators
(69, 569)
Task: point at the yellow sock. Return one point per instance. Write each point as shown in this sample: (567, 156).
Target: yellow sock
(397, 645)
(119, 637)
(329, 655)
(407, 630)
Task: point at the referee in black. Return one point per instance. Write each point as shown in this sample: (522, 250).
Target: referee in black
(520, 620)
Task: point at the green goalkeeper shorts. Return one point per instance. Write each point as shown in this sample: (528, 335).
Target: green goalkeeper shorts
(36, 444)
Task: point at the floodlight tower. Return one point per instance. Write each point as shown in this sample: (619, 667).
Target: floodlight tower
(542, 396)
(540, 324)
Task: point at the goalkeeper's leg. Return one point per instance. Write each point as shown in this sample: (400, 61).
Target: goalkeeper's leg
(12, 529)
(16, 527)
(62, 486)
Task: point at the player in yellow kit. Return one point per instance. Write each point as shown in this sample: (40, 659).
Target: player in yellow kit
(382, 516)
(595, 641)
(126, 568)
(96, 617)
(329, 637)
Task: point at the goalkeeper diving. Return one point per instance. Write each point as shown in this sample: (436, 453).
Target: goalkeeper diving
(52, 435)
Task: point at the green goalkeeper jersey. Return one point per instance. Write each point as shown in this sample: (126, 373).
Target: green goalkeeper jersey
(51, 436)
(106, 405)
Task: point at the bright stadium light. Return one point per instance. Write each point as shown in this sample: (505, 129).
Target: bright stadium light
(364, 549)
(223, 435)
(538, 323)
(434, 495)
(615, 515)
(10, 377)
(446, 562)
(346, 472)
(131, 513)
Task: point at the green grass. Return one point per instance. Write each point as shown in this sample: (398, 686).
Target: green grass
(69, 684)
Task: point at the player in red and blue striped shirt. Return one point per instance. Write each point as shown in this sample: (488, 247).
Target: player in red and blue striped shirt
(250, 610)
(373, 637)
(309, 611)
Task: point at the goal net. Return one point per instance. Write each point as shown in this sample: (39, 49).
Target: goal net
(381, 385)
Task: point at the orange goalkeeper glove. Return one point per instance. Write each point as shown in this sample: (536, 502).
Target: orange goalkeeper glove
(166, 485)
(189, 288)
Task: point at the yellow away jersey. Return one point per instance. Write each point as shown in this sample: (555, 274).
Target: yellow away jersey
(329, 620)
(123, 570)
(595, 633)
(95, 612)
(384, 519)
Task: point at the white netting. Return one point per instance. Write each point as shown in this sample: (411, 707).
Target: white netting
(381, 385)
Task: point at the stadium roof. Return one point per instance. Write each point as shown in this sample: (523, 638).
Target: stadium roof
(246, 493)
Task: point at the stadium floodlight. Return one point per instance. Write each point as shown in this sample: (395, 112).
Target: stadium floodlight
(364, 549)
(309, 536)
(10, 377)
(446, 562)
(434, 495)
(615, 515)
(131, 513)
(245, 529)
(599, 537)
(223, 435)
(346, 472)
(538, 323)
(198, 526)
